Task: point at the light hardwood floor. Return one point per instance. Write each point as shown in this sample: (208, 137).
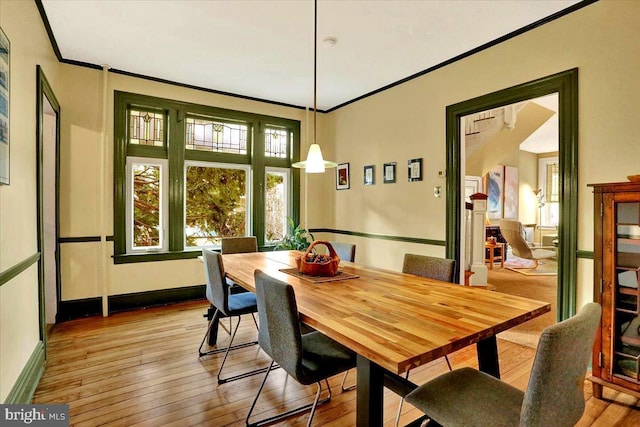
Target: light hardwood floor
(141, 368)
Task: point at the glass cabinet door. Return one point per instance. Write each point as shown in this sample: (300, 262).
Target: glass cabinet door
(626, 342)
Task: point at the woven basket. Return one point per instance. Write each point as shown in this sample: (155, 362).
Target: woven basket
(326, 268)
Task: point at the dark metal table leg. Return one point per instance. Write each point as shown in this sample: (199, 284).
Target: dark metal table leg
(488, 356)
(369, 407)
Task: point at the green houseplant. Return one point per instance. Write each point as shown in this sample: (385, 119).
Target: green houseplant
(297, 239)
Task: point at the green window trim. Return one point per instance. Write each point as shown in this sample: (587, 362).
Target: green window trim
(176, 154)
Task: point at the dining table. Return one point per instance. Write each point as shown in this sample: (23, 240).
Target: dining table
(393, 321)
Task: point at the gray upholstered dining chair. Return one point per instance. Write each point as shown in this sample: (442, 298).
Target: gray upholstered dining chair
(513, 233)
(237, 245)
(226, 305)
(554, 396)
(431, 268)
(308, 358)
(346, 251)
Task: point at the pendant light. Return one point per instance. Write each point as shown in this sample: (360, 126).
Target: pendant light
(315, 163)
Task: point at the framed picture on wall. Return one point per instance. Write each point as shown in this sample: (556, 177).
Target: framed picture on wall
(511, 193)
(495, 186)
(5, 65)
(389, 173)
(414, 172)
(369, 175)
(342, 176)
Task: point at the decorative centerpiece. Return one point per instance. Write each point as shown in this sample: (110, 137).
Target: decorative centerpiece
(315, 264)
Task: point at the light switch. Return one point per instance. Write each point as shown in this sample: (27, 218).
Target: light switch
(437, 191)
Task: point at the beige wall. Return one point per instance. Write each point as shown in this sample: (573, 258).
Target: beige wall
(405, 122)
(601, 40)
(19, 334)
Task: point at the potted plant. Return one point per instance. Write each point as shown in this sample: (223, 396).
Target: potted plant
(297, 239)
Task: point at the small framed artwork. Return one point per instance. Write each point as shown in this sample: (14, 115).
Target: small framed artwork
(5, 66)
(369, 175)
(414, 171)
(389, 173)
(342, 176)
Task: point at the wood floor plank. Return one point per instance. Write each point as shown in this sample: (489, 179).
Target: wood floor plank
(141, 368)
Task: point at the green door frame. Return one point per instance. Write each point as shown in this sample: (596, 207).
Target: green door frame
(566, 85)
(43, 89)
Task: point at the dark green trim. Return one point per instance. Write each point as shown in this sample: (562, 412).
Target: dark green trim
(381, 236)
(471, 52)
(139, 300)
(25, 386)
(83, 239)
(79, 308)
(152, 257)
(93, 306)
(566, 85)
(47, 26)
(44, 91)
(485, 46)
(14, 271)
(175, 152)
(584, 254)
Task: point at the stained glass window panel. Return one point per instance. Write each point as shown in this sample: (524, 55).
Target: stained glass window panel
(216, 136)
(146, 128)
(276, 142)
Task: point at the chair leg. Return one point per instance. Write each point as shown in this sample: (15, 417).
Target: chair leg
(223, 349)
(344, 380)
(226, 353)
(310, 406)
(317, 399)
(446, 359)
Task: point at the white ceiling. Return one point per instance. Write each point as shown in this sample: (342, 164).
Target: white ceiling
(264, 49)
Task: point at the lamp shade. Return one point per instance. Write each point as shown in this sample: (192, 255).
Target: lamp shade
(314, 163)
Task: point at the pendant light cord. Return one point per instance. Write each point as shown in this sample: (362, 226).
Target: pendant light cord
(315, 69)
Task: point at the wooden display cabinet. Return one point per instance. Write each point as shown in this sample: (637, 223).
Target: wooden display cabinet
(616, 354)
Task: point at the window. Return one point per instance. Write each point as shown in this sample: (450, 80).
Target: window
(549, 199)
(186, 175)
(215, 203)
(146, 205)
(276, 204)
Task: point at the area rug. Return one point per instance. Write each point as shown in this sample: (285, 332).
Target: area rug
(541, 288)
(547, 267)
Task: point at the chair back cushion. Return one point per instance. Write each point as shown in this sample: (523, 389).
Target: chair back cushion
(278, 315)
(237, 245)
(217, 288)
(430, 267)
(346, 251)
(555, 394)
(513, 233)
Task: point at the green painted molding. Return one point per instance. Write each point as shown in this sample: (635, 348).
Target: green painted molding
(381, 236)
(584, 254)
(12, 272)
(27, 382)
(566, 85)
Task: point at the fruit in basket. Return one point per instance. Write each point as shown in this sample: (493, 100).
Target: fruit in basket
(313, 258)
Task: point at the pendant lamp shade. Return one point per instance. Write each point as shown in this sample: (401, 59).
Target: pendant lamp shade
(315, 162)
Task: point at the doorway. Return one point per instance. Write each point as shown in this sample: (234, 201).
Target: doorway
(47, 167)
(565, 84)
